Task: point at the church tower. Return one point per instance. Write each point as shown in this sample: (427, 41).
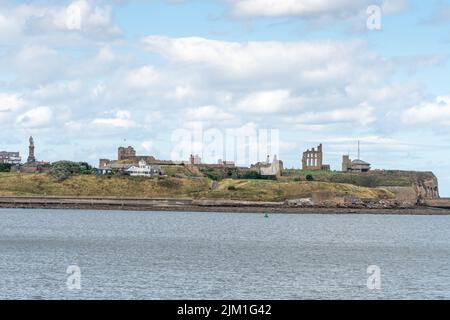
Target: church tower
(31, 158)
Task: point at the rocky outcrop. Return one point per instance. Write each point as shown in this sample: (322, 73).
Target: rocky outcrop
(424, 186)
(304, 202)
(404, 194)
(349, 203)
(427, 189)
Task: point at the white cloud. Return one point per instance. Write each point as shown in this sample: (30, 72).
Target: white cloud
(441, 15)
(31, 55)
(8, 26)
(9, 103)
(182, 92)
(143, 77)
(363, 115)
(35, 118)
(431, 113)
(306, 63)
(80, 19)
(122, 120)
(152, 118)
(310, 8)
(287, 146)
(264, 101)
(208, 113)
(293, 7)
(395, 6)
(105, 55)
(59, 90)
(98, 90)
(318, 83)
(79, 16)
(38, 63)
(374, 143)
(148, 146)
(312, 82)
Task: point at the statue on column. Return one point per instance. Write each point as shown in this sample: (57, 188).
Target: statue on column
(31, 158)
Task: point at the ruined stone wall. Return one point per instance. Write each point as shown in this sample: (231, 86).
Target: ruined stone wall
(313, 159)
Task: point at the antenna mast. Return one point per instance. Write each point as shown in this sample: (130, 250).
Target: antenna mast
(359, 151)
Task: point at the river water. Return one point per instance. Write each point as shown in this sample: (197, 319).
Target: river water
(183, 255)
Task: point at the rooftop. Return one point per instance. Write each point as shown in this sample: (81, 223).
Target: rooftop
(360, 162)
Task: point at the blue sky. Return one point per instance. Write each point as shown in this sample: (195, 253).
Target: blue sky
(84, 77)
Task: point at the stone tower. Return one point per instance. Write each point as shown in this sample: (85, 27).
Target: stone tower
(31, 158)
(126, 153)
(346, 163)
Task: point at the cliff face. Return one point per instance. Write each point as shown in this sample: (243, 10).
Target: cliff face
(424, 186)
(410, 187)
(427, 188)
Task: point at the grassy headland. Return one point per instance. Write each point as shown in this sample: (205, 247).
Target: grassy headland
(372, 179)
(70, 179)
(196, 187)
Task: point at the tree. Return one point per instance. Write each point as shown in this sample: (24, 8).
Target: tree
(5, 167)
(62, 170)
(250, 175)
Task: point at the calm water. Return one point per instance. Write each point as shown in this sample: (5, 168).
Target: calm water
(148, 255)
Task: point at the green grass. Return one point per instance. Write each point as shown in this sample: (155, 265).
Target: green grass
(388, 178)
(16, 184)
(181, 171)
(267, 190)
(19, 184)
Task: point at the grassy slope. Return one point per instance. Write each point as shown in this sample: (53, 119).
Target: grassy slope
(14, 184)
(370, 179)
(102, 186)
(266, 190)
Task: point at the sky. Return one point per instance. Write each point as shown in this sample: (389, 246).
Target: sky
(84, 77)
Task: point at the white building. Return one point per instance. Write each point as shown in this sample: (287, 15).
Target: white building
(272, 169)
(144, 170)
(10, 157)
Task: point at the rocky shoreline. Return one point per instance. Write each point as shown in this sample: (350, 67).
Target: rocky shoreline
(300, 206)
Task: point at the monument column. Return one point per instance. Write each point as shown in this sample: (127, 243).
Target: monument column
(31, 158)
